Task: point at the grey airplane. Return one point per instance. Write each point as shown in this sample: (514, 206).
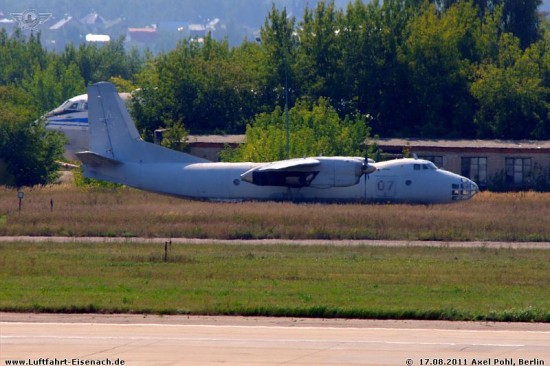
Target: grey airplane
(118, 154)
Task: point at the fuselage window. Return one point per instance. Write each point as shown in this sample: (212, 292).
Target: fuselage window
(436, 160)
(416, 166)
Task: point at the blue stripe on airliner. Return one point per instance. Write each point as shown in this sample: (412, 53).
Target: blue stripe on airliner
(61, 122)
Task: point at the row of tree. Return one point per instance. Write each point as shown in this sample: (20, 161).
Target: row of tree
(410, 68)
(455, 69)
(33, 81)
(447, 70)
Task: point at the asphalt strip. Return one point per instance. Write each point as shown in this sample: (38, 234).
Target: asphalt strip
(373, 243)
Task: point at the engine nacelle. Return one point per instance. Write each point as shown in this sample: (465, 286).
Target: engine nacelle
(338, 172)
(319, 172)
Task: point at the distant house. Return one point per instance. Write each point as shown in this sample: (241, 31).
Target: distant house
(143, 35)
(6, 23)
(64, 30)
(173, 26)
(64, 22)
(209, 146)
(494, 164)
(197, 31)
(97, 38)
(92, 18)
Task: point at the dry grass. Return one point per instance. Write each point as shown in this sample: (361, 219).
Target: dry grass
(128, 212)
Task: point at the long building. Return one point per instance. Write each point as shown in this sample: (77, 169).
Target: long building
(492, 164)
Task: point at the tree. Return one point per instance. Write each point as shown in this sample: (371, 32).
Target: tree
(55, 83)
(520, 18)
(209, 86)
(512, 94)
(175, 136)
(19, 56)
(438, 53)
(29, 151)
(279, 44)
(319, 53)
(376, 79)
(99, 63)
(315, 129)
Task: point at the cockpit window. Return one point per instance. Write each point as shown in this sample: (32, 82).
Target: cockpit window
(68, 107)
(425, 166)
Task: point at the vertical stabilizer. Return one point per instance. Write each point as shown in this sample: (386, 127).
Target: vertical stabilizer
(114, 136)
(112, 132)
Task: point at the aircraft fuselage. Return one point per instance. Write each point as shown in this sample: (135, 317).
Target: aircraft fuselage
(118, 154)
(395, 181)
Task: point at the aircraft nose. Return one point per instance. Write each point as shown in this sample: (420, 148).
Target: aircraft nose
(474, 189)
(465, 189)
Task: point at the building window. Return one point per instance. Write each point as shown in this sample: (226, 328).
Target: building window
(518, 171)
(437, 160)
(475, 169)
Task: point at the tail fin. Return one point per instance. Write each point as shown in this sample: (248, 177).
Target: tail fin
(113, 135)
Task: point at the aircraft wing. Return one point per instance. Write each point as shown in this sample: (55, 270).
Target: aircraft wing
(288, 164)
(289, 173)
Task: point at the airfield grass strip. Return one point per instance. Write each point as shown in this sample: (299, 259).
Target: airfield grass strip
(277, 280)
(124, 212)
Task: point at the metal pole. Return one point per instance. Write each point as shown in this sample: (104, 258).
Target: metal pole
(286, 113)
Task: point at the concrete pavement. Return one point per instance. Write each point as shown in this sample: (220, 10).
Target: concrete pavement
(42, 339)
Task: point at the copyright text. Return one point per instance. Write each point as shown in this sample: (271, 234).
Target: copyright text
(476, 362)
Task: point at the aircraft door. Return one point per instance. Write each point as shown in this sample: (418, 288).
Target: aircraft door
(384, 187)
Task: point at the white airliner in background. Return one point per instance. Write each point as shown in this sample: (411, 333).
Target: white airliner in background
(118, 154)
(71, 119)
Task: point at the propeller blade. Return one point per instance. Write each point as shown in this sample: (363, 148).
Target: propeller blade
(366, 167)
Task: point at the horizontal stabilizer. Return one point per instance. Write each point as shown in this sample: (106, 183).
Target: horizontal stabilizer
(95, 160)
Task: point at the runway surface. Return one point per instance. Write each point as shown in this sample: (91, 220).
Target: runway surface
(48, 339)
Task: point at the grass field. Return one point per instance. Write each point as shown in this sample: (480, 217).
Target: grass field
(127, 212)
(278, 280)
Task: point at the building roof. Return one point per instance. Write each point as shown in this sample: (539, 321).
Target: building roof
(97, 37)
(92, 18)
(61, 23)
(197, 28)
(389, 144)
(533, 146)
(142, 34)
(216, 139)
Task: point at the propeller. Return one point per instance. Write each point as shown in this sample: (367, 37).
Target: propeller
(367, 168)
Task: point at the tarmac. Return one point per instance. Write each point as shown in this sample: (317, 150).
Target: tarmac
(57, 339)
